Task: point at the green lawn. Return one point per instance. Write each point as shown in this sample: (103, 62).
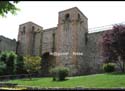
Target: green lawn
(92, 81)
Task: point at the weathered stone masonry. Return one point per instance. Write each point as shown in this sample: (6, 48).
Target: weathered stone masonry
(70, 35)
(7, 44)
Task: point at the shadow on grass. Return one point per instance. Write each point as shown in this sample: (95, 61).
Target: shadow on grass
(117, 73)
(33, 79)
(60, 80)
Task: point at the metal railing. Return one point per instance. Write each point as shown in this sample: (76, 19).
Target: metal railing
(103, 28)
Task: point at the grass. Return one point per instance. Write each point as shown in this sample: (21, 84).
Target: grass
(91, 81)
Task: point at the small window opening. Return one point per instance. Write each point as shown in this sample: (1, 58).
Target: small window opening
(24, 28)
(67, 17)
(33, 28)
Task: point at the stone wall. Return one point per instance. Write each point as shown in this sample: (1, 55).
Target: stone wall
(7, 44)
(93, 52)
(47, 42)
(48, 46)
(29, 38)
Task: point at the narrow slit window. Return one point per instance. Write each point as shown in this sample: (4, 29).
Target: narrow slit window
(86, 38)
(78, 16)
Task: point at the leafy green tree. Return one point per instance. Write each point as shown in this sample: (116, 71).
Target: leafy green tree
(32, 64)
(3, 60)
(2, 68)
(20, 65)
(9, 59)
(3, 57)
(11, 63)
(8, 6)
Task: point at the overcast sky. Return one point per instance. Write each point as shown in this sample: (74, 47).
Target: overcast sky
(45, 14)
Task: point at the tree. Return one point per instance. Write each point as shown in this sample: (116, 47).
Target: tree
(2, 68)
(113, 46)
(8, 58)
(11, 66)
(8, 6)
(20, 65)
(3, 57)
(32, 64)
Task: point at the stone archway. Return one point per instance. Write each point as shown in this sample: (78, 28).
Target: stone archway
(48, 62)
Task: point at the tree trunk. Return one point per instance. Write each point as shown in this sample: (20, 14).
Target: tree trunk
(123, 67)
(119, 61)
(30, 78)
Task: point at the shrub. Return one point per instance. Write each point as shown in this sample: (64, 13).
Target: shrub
(59, 73)
(109, 67)
(2, 68)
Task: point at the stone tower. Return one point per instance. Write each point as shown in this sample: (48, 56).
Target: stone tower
(71, 38)
(29, 39)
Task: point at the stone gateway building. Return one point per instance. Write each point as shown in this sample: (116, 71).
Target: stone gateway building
(68, 44)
